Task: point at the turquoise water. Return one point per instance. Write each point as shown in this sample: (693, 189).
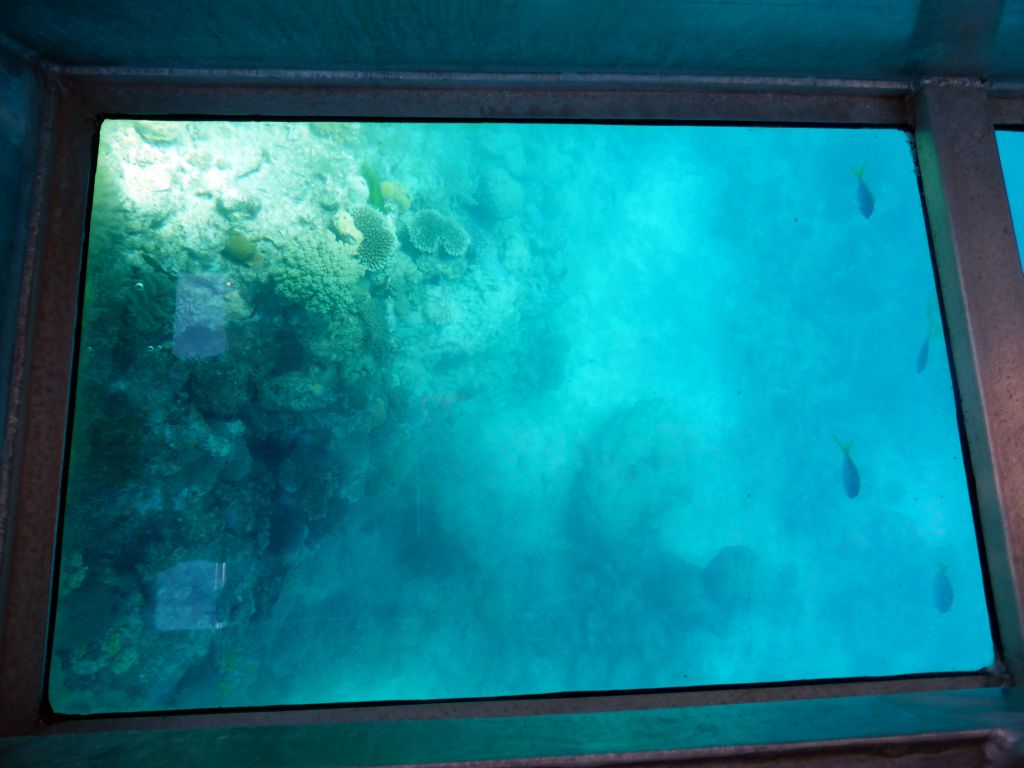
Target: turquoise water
(407, 411)
(1011, 152)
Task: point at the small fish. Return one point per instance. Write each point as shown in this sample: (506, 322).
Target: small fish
(922, 352)
(943, 590)
(865, 200)
(851, 477)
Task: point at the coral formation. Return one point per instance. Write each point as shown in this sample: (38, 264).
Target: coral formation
(501, 194)
(329, 199)
(236, 206)
(440, 308)
(250, 387)
(339, 132)
(375, 197)
(219, 389)
(240, 249)
(160, 131)
(322, 278)
(297, 391)
(344, 228)
(431, 231)
(73, 571)
(394, 195)
(372, 315)
(379, 239)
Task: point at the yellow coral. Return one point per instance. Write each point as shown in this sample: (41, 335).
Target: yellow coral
(394, 192)
(345, 229)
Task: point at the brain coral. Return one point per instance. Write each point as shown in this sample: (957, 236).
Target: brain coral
(379, 240)
(240, 249)
(321, 278)
(429, 230)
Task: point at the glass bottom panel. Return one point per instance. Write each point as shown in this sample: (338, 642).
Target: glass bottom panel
(409, 411)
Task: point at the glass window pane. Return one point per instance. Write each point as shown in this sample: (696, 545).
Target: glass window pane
(1011, 153)
(409, 411)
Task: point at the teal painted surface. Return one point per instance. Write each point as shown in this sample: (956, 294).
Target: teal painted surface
(837, 39)
(397, 412)
(498, 738)
(1011, 153)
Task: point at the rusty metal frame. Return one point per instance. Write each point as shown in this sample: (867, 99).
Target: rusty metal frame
(983, 296)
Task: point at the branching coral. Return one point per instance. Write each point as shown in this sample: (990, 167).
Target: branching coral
(379, 239)
(322, 279)
(431, 230)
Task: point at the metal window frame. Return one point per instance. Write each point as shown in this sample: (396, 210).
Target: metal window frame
(982, 291)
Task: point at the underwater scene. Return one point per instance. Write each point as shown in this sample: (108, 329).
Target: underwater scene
(1011, 154)
(404, 411)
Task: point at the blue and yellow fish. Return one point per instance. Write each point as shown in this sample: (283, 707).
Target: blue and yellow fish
(851, 477)
(865, 200)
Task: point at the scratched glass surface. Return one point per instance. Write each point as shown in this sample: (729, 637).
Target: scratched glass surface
(376, 412)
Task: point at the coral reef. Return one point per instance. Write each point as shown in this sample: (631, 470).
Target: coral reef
(245, 372)
(342, 133)
(439, 308)
(501, 195)
(322, 278)
(73, 571)
(394, 195)
(306, 390)
(199, 314)
(375, 197)
(237, 206)
(160, 131)
(344, 228)
(431, 231)
(379, 239)
(372, 315)
(219, 389)
(240, 249)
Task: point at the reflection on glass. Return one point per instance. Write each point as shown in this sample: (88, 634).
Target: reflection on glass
(1011, 152)
(199, 315)
(411, 411)
(186, 596)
